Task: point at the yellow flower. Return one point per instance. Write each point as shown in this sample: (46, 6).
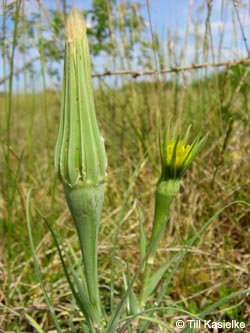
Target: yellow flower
(177, 154)
(182, 152)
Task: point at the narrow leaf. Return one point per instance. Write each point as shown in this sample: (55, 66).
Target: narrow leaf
(34, 323)
(37, 268)
(154, 280)
(143, 239)
(82, 306)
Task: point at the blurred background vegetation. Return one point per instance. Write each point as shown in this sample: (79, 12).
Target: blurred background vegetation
(216, 98)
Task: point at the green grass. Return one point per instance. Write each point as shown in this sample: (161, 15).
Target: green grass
(216, 266)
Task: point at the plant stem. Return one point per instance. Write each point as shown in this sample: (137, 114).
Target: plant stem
(164, 195)
(85, 204)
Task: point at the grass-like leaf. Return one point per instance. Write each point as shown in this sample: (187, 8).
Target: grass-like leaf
(38, 272)
(80, 298)
(154, 280)
(142, 315)
(34, 323)
(143, 238)
(223, 301)
(122, 211)
(180, 256)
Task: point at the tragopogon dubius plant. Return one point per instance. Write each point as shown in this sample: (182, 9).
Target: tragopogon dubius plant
(80, 161)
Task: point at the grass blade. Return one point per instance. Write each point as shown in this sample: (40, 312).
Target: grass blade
(223, 301)
(82, 301)
(173, 309)
(143, 238)
(125, 200)
(184, 252)
(33, 323)
(38, 272)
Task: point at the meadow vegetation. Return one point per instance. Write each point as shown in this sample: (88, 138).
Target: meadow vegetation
(217, 101)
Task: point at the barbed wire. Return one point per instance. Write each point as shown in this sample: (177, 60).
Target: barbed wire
(136, 73)
(176, 69)
(20, 69)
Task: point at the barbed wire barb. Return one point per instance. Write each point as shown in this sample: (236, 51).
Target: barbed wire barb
(136, 73)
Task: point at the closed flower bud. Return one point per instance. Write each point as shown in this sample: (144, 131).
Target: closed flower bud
(80, 157)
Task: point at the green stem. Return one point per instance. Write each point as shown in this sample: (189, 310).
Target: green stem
(164, 195)
(85, 203)
(9, 175)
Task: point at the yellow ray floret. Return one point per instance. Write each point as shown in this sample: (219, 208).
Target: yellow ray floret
(182, 152)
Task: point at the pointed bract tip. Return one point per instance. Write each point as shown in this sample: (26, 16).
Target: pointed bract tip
(75, 26)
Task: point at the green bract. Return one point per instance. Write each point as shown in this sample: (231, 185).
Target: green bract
(80, 156)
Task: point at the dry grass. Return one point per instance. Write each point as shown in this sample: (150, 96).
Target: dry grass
(217, 265)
